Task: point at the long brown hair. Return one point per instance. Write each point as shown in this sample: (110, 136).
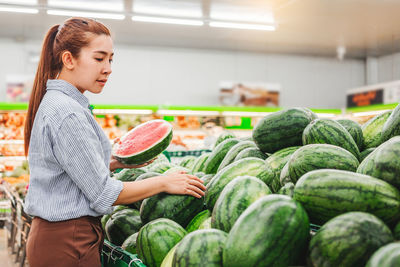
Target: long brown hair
(71, 36)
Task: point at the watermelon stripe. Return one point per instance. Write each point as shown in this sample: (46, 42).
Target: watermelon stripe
(328, 193)
(281, 129)
(328, 131)
(237, 195)
(334, 246)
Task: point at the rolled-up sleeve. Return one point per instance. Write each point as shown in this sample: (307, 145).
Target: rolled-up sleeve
(79, 151)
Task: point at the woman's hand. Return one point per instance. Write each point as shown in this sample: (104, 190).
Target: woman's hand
(115, 164)
(181, 183)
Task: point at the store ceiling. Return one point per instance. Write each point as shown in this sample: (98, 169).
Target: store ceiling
(306, 27)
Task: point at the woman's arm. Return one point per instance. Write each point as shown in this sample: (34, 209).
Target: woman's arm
(177, 183)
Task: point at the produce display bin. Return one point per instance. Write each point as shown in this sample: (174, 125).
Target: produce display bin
(114, 256)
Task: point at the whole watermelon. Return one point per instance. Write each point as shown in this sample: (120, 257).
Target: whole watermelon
(372, 130)
(275, 163)
(247, 166)
(328, 193)
(156, 239)
(384, 162)
(179, 208)
(237, 195)
(320, 156)
(195, 223)
(281, 129)
(391, 127)
(122, 224)
(388, 255)
(128, 175)
(200, 248)
(327, 131)
(273, 231)
(348, 240)
(217, 155)
(354, 130)
(130, 243)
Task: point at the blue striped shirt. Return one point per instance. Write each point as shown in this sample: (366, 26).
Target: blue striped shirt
(69, 158)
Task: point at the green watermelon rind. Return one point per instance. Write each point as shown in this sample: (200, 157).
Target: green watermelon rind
(197, 220)
(247, 166)
(149, 153)
(179, 208)
(273, 231)
(122, 224)
(354, 129)
(200, 248)
(251, 152)
(383, 162)
(130, 243)
(388, 255)
(156, 239)
(218, 154)
(327, 131)
(327, 193)
(233, 152)
(391, 127)
(236, 196)
(281, 129)
(320, 156)
(372, 130)
(332, 245)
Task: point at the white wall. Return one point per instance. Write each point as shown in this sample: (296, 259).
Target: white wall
(162, 75)
(389, 68)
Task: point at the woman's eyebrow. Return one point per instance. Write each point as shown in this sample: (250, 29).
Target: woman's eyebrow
(103, 52)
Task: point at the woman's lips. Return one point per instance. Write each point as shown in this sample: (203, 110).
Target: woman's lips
(102, 82)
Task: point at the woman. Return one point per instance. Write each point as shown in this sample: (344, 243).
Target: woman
(70, 156)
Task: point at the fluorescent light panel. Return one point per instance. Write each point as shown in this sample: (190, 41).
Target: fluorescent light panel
(168, 20)
(19, 2)
(103, 5)
(168, 8)
(242, 13)
(19, 10)
(244, 26)
(69, 13)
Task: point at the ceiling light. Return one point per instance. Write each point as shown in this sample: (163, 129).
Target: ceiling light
(244, 26)
(19, 10)
(175, 8)
(168, 20)
(69, 13)
(99, 5)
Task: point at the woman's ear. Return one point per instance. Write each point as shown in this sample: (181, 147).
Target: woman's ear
(68, 60)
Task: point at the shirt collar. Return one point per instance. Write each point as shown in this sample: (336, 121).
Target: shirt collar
(68, 89)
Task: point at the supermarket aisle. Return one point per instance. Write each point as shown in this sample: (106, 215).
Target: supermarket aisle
(5, 257)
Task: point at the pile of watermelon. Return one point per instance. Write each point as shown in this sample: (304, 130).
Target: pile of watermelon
(264, 192)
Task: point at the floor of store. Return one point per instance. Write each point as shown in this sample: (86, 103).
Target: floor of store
(5, 256)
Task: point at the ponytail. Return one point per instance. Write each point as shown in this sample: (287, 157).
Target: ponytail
(46, 70)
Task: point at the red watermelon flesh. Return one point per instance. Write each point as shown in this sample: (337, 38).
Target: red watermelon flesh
(144, 142)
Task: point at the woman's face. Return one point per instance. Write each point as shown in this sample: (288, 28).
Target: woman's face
(93, 66)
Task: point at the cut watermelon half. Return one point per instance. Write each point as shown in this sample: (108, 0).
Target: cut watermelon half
(143, 143)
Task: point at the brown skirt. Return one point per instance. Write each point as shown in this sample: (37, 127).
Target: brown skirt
(76, 242)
